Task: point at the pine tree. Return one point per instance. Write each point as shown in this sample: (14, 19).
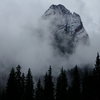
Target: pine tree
(45, 93)
(49, 86)
(96, 78)
(87, 86)
(23, 87)
(11, 86)
(3, 95)
(18, 82)
(75, 89)
(29, 89)
(39, 91)
(97, 65)
(62, 86)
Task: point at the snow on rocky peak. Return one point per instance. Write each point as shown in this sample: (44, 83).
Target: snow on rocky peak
(67, 28)
(56, 9)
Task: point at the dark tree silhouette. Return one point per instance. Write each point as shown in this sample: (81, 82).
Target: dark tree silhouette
(23, 87)
(29, 90)
(3, 95)
(75, 89)
(18, 83)
(11, 86)
(62, 86)
(73, 85)
(96, 78)
(39, 91)
(87, 85)
(48, 86)
(97, 65)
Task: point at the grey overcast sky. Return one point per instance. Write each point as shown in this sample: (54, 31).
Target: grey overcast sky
(18, 18)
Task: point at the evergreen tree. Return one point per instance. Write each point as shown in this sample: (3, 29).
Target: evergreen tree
(3, 95)
(87, 85)
(39, 91)
(11, 86)
(23, 87)
(62, 86)
(18, 82)
(96, 78)
(75, 89)
(45, 93)
(20, 87)
(97, 65)
(48, 86)
(29, 89)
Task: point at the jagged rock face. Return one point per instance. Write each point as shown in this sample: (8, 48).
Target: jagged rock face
(67, 29)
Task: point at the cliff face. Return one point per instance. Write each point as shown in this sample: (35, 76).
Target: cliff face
(67, 29)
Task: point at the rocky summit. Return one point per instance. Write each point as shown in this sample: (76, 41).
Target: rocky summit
(67, 29)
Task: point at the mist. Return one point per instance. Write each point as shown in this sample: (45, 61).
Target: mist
(22, 43)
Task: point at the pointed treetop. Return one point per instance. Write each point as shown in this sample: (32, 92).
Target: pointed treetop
(76, 67)
(39, 81)
(50, 70)
(98, 54)
(62, 69)
(97, 61)
(23, 75)
(29, 71)
(18, 67)
(12, 71)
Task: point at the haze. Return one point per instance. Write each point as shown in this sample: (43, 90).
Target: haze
(21, 44)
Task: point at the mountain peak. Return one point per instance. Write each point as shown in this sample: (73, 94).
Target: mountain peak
(67, 29)
(57, 9)
(57, 6)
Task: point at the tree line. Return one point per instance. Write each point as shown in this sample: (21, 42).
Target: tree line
(73, 84)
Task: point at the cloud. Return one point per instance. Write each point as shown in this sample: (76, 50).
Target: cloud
(21, 44)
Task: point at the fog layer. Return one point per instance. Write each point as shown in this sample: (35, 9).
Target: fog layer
(21, 43)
